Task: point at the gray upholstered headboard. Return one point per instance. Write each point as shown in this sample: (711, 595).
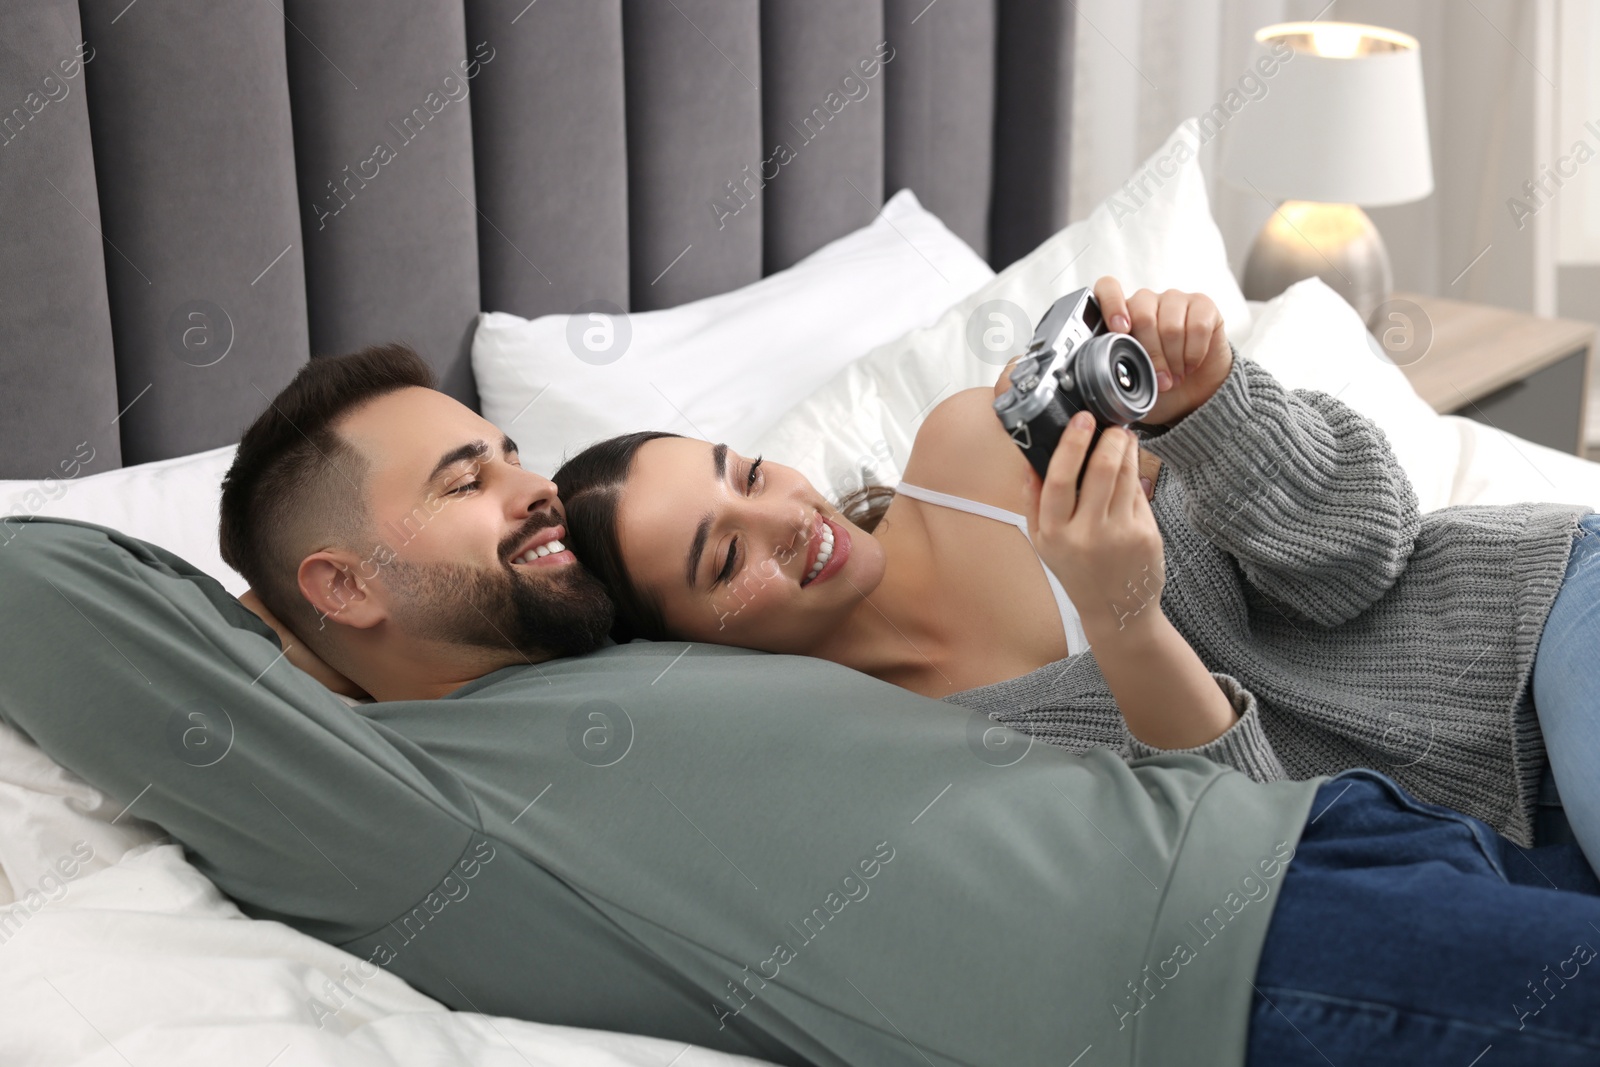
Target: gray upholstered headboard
(196, 196)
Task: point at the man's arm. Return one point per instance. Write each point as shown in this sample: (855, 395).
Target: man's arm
(142, 675)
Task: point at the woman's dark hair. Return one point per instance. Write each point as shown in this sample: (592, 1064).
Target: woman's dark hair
(865, 506)
(590, 485)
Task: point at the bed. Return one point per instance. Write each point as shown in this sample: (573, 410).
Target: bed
(187, 222)
(195, 206)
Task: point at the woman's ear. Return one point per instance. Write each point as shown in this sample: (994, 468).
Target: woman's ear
(331, 585)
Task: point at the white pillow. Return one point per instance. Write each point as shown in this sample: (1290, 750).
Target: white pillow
(860, 425)
(174, 503)
(726, 367)
(1310, 338)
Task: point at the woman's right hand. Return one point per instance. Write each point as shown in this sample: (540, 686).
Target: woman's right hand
(1102, 541)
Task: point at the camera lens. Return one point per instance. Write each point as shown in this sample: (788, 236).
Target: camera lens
(1115, 378)
(1125, 374)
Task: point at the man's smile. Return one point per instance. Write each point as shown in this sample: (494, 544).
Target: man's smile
(544, 549)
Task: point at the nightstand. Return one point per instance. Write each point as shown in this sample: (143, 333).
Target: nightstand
(1519, 373)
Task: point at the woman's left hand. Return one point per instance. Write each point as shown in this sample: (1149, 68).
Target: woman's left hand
(1101, 539)
(1183, 334)
(1105, 546)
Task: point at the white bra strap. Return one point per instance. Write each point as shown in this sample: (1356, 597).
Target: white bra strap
(1071, 624)
(961, 503)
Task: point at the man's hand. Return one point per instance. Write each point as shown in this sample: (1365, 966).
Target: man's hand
(1103, 541)
(299, 655)
(1184, 336)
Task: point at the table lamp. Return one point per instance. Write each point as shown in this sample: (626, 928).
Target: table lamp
(1342, 123)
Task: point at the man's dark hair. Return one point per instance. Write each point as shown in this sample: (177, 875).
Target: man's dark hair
(296, 485)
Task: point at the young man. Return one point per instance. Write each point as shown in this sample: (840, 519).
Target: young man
(393, 538)
(768, 855)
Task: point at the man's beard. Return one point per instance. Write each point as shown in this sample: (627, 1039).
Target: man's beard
(539, 613)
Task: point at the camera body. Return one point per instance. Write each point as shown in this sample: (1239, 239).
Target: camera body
(1073, 363)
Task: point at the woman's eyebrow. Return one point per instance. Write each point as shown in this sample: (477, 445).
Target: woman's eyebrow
(697, 547)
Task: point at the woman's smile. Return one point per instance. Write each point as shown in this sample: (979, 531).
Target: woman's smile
(830, 549)
(704, 542)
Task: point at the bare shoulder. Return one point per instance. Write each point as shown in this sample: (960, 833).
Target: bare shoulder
(961, 448)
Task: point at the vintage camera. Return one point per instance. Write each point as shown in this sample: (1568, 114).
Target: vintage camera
(1074, 364)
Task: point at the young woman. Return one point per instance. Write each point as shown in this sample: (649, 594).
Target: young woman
(1267, 533)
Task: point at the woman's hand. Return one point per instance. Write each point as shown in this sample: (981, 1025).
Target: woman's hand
(1183, 334)
(1103, 542)
(1104, 545)
(296, 652)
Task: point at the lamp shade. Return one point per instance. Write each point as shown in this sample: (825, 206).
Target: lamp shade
(1342, 118)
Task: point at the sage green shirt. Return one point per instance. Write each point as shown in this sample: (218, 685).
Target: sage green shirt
(768, 855)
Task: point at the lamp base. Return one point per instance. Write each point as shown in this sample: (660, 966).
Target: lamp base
(1335, 242)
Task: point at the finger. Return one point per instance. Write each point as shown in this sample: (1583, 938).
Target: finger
(1032, 495)
(1100, 479)
(1220, 349)
(1171, 311)
(1113, 307)
(1058, 496)
(1142, 312)
(1149, 470)
(1200, 325)
(1003, 383)
(1127, 492)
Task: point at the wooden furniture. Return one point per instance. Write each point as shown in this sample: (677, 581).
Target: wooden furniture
(1520, 373)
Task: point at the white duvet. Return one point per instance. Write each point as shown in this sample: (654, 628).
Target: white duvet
(114, 950)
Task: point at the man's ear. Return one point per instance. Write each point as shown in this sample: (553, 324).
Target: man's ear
(336, 591)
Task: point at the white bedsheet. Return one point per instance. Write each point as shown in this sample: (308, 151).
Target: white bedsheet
(146, 962)
(1501, 468)
(114, 950)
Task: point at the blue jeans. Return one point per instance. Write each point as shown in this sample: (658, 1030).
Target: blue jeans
(1407, 933)
(1566, 688)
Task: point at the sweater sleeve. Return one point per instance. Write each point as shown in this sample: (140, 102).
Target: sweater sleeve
(1300, 489)
(1244, 746)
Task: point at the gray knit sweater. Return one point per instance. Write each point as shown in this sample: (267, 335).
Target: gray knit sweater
(1349, 630)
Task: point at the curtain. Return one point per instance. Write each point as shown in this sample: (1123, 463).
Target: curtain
(1142, 66)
